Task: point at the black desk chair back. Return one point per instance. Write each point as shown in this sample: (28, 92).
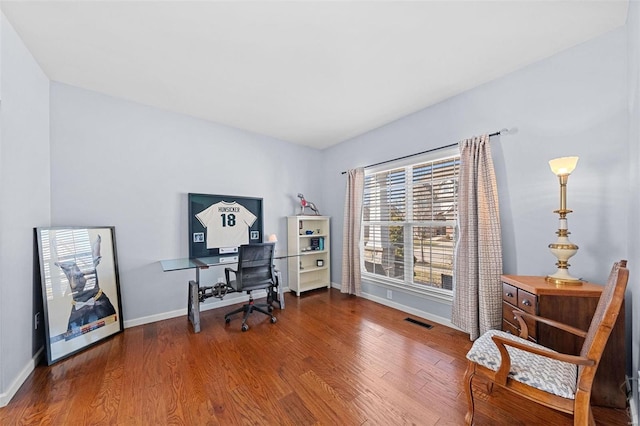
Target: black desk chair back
(255, 272)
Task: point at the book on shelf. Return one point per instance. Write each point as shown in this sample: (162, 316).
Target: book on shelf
(317, 243)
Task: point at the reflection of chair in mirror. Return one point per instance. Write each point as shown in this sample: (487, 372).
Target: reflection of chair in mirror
(559, 381)
(255, 272)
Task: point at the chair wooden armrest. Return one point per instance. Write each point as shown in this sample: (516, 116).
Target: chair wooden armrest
(505, 364)
(524, 329)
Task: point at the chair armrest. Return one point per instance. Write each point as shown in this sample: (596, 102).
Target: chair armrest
(505, 364)
(524, 329)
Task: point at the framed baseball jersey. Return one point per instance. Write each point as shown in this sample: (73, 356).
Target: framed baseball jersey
(221, 223)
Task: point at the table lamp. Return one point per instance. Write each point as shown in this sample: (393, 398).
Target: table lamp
(563, 249)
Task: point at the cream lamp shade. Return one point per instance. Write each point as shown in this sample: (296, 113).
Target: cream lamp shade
(563, 165)
(273, 238)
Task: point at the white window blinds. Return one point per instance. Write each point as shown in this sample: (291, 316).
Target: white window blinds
(409, 222)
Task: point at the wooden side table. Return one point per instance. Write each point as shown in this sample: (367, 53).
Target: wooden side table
(573, 305)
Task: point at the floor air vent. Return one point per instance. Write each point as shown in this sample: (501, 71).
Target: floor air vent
(420, 323)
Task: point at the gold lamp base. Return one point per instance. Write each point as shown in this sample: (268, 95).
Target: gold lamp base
(559, 282)
(563, 249)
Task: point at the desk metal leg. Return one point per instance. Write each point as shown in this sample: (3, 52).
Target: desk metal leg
(277, 293)
(196, 295)
(280, 290)
(193, 306)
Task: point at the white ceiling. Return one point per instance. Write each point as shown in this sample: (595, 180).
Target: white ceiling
(310, 72)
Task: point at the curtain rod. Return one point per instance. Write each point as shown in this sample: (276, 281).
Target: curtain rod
(499, 132)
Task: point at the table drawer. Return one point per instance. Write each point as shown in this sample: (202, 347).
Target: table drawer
(510, 294)
(507, 313)
(509, 328)
(527, 302)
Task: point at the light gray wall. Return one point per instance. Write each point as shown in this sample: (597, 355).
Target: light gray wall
(24, 201)
(119, 163)
(574, 103)
(114, 162)
(633, 294)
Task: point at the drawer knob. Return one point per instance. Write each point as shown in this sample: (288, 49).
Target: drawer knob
(509, 294)
(526, 303)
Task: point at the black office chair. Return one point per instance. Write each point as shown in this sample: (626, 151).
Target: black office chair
(255, 272)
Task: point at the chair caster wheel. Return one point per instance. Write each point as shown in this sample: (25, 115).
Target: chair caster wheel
(245, 327)
(227, 320)
(274, 320)
(270, 308)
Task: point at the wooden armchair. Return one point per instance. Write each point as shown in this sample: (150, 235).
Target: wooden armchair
(559, 381)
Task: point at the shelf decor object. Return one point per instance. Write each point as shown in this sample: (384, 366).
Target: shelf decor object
(563, 249)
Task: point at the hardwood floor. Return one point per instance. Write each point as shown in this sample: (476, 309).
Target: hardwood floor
(331, 359)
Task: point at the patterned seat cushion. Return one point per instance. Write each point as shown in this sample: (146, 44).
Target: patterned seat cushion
(549, 375)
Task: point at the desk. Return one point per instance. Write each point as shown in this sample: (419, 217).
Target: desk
(197, 294)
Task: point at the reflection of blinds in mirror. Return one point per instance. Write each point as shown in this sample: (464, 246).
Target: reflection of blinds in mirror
(72, 246)
(46, 256)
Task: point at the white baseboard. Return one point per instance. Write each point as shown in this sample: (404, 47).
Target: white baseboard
(231, 299)
(422, 314)
(5, 397)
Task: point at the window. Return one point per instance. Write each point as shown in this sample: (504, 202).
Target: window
(409, 222)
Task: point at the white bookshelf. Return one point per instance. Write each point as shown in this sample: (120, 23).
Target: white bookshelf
(305, 273)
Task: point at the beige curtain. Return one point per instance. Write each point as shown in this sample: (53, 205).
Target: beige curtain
(351, 276)
(477, 300)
